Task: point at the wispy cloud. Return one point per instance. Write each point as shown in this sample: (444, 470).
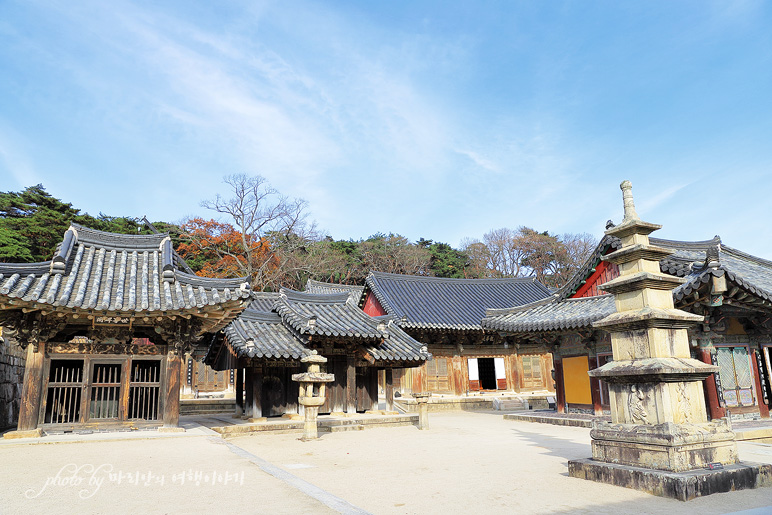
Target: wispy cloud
(480, 161)
(650, 203)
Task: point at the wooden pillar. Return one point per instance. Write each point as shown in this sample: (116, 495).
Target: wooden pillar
(351, 385)
(763, 408)
(249, 387)
(29, 410)
(559, 389)
(172, 401)
(711, 391)
(389, 390)
(513, 380)
(239, 391)
(257, 392)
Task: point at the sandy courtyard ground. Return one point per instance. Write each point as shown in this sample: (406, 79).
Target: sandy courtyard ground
(465, 463)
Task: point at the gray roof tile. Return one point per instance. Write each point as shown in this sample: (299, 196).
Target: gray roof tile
(563, 315)
(454, 304)
(115, 273)
(355, 292)
(275, 325)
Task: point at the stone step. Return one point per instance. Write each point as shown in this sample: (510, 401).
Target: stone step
(510, 404)
(207, 406)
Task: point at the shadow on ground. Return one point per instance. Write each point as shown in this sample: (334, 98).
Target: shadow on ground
(554, 446)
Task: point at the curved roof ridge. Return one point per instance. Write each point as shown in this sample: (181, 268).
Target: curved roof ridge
(197, 280)
(87, 235)
(336, 285)
(19, 268)
(692, 245)
(317, 298)
(429, 278)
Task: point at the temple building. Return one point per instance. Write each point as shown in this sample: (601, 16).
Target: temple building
(105, 325)
(269, 339)
(445, 314)
(731, 289)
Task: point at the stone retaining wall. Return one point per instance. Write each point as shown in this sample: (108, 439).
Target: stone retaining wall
(12, 359)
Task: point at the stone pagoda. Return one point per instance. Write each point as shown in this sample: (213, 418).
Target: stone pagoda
(659, 438)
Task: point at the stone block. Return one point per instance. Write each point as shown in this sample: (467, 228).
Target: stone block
(683, 486)
(32, 433)
(670, 447)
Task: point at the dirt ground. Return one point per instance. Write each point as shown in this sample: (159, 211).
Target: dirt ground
(465, 463)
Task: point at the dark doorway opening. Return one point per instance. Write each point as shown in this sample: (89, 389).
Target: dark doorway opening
(487, 371)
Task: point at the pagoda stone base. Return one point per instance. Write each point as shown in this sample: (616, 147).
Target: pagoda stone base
(668, 447)
(683, 486)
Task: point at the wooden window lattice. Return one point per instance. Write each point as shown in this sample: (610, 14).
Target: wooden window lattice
(65, 384)
(736, 378)
(144, 390)
(105, 391)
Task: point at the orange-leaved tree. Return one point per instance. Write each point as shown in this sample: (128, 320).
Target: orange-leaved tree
(216, 249)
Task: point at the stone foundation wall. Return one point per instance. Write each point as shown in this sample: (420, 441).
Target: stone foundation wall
(12, 359)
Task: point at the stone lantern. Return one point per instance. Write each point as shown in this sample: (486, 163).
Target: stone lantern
(422, 399)
(312, 392)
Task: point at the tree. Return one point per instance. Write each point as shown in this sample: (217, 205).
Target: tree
(13, 248)
(523, 252)
(37, 219)
(262, 219)
(215, 249)
(395, 254)
(33, 221)
(446, 261)
(479, 258)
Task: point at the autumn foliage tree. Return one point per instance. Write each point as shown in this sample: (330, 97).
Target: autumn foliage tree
(216, 249)
(257, 216)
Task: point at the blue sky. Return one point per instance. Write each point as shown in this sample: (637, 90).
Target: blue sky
(434, 119)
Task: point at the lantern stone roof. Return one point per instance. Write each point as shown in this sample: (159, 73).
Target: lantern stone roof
(294, 320)
(438, 303)
(354, 291)
(749, 285)
(117, 274)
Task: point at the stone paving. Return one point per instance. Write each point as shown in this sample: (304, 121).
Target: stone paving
(466, 462)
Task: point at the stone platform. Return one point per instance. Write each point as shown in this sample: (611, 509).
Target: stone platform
(683, 486)
(476, 401)
(326, 424)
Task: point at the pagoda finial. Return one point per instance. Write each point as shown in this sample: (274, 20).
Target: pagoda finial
(627, 197)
